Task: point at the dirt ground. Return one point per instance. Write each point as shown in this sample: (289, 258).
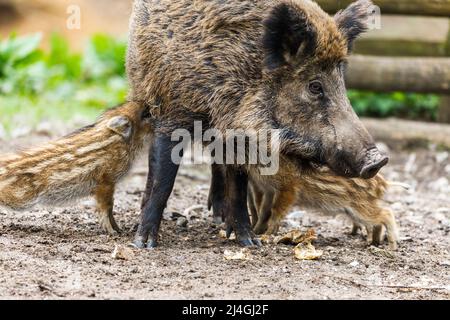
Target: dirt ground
(62, 253)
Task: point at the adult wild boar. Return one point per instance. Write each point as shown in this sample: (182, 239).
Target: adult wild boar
(250, 64)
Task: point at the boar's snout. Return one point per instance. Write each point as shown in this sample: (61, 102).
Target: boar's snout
(374, 160)
(366, 165)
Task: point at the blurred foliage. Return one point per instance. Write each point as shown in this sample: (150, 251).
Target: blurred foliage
(398, 104)
(57, 83)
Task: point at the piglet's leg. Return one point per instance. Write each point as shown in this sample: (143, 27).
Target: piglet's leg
(265, 212)
(164, 172)
(104, 195)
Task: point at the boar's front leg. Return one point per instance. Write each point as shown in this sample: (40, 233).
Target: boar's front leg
(163, 172)
(217, 193)
(237, 218)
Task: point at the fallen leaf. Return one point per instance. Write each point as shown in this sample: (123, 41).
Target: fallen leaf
(381, 252)
(296, 237)
(266, 238)
(307, 252)
(122, 253)
(242, 254)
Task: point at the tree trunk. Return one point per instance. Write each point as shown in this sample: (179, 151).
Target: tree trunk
(439, 8)
(386, 74)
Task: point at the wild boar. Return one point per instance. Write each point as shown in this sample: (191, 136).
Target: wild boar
(251, 65)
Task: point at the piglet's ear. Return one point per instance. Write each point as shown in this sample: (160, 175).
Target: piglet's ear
(288, 36)
(120, 125)
(354, 20)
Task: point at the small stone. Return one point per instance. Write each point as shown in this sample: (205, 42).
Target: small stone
(441, 156)
(296, 215)
(20, 132)
(182, 222)
(2, 132)
(223, 235)
(354, 264)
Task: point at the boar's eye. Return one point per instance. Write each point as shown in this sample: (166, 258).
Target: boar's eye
(315, 87)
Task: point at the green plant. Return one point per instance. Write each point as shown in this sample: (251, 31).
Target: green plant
(37, 84)
(396, 104)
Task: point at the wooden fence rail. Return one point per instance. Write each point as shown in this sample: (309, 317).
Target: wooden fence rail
(409, 29)
(384, 74)
(440, 8)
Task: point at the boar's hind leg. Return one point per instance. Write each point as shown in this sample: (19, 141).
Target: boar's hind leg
(237, 218)
(149, 184)
(163, 172)
(217, 193)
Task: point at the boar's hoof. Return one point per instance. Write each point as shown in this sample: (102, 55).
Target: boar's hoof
(139, 244)
(152, 243)
(245, 238)
(248, 240)
(217, 220)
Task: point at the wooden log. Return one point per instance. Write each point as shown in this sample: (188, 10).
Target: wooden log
(440, 8)
(444, 109)
(406, 36)
(387, 74)
(399, 134)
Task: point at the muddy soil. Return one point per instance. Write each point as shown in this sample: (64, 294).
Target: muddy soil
(61, 253)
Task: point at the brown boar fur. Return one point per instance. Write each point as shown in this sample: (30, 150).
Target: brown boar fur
(320, 188)
(246, 64)
(88, 162)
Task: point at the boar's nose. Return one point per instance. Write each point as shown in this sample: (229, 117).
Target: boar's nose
(374, 162)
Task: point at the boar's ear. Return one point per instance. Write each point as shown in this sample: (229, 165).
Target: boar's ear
(354, 20)
(287, 35)
(120, 125)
